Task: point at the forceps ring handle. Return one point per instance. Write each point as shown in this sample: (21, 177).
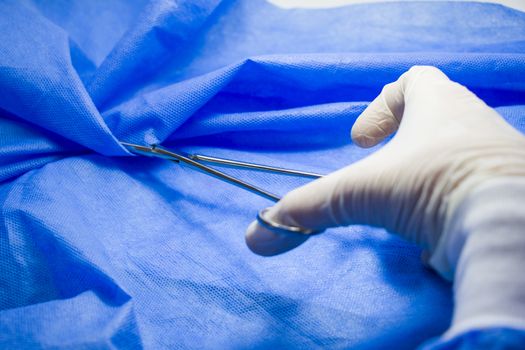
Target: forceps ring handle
(281, 228)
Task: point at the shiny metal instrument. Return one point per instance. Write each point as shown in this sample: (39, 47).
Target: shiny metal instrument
(195, 161)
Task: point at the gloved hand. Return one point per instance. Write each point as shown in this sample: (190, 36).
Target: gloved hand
(448, 142)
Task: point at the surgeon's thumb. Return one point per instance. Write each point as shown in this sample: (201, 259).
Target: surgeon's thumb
(334, 200)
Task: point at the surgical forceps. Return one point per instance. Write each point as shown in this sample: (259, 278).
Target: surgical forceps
(195, 161)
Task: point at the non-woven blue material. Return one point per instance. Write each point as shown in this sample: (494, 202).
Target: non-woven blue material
(482, 339)
(100, 249)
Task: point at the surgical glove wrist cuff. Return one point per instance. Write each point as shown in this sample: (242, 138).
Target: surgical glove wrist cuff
(484, 250)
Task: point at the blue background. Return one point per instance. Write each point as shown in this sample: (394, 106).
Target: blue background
(99, 249)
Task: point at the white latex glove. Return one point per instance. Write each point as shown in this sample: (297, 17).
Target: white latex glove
(448, 142)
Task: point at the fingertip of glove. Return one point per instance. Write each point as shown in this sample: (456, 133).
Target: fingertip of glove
(264, 242)
(363, 140)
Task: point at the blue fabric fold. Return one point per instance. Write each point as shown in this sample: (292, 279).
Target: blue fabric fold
(99, 249)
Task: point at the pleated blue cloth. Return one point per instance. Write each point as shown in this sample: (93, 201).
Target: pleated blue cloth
(100, 249)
